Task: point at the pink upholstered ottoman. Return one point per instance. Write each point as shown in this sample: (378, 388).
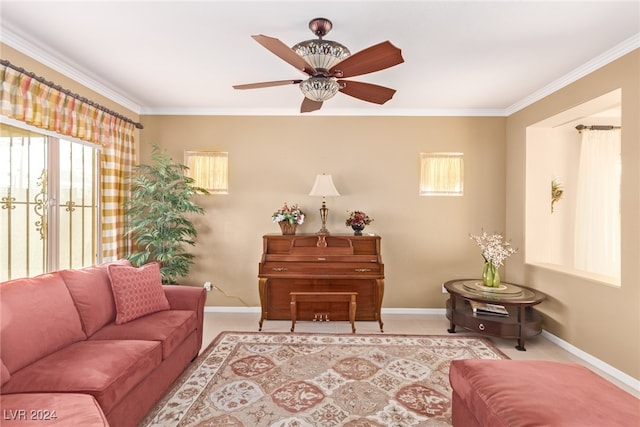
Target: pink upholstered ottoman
(50, 409)
(519, 393)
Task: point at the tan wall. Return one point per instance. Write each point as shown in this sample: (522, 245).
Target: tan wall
(601, 320)
(375, 165)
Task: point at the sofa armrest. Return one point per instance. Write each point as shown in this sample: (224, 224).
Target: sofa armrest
(188, 298)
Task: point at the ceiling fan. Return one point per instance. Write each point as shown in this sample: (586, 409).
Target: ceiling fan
(327, 63)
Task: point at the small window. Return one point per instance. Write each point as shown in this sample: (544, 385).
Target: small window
(441, 174)
(209, 169)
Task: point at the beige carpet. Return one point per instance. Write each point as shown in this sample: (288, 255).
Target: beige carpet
(309, 380)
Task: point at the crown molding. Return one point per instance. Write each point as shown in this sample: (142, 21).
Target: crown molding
(12, 38)
(168, 111)
(621, 49)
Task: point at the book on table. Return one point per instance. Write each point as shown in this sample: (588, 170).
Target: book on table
(488, 308)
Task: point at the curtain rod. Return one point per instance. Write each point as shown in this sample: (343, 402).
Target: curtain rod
(580, 128)
(69, 93)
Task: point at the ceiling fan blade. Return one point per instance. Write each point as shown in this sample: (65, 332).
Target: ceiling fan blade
(309, 105)
(285, 53)
(366, 91)
(267, 84)
(375, 58)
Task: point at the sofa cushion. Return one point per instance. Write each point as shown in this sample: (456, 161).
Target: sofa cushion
(38, 317)
(519, 393)
(90, 289)
(170, 327)
(107, 370)
(51, 409)
(137, 291)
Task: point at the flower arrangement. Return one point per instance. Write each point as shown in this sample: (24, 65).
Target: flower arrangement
(358, 219)
(494, 252)
(494, 249)
(291, 214)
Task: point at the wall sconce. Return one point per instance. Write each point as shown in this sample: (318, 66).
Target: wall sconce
(323, 186)
(441, 174)
(209, 169)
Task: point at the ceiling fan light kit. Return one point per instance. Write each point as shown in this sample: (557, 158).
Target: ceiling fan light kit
(319, 88)
(326, 61)
(322, 54)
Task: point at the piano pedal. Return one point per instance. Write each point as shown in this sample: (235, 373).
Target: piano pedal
(321, 317)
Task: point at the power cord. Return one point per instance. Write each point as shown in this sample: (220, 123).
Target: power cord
(230, 296)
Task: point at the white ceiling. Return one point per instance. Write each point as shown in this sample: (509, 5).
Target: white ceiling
(461, 57)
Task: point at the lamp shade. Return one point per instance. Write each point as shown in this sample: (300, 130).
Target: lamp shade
(324, 186)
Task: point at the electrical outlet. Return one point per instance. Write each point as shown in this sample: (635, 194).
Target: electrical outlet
(444, 291)
(207, 286)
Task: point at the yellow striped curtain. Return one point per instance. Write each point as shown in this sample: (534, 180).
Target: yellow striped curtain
(26, 99)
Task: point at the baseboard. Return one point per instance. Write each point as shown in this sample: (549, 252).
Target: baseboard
(604, 367)
(225, 309)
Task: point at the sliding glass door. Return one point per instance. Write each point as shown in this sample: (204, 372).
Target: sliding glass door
(48, 203)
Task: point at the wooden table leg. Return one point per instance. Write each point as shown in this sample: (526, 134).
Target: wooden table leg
(452, 326)
(521, 319)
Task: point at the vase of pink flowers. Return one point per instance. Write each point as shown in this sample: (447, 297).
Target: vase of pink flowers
(357, 220)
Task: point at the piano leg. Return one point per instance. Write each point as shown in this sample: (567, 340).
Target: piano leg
(262, 286)
(380, 288)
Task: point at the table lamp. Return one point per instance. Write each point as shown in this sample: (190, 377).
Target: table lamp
(324, 187)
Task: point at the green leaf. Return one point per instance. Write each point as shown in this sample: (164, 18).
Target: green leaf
(158, 214)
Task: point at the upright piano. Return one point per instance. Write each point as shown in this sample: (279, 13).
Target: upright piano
(320, 263)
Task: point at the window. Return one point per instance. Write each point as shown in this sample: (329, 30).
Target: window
(48, 203)
(209, 169)
(441, 174)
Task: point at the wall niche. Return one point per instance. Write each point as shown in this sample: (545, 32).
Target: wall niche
(553, 153)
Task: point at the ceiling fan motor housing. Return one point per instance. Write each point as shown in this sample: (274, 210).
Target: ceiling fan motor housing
(320, 26)
(321, 54)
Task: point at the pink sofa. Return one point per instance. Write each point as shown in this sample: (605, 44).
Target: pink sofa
(526, 393)
(62, 351)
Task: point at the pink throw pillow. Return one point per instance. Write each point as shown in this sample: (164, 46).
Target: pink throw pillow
(137, 291)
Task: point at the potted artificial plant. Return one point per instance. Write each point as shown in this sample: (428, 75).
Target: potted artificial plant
(158, 212)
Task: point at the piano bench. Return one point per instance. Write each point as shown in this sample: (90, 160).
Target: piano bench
(348, 297)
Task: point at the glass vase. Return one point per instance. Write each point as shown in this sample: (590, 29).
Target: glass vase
(490, 275)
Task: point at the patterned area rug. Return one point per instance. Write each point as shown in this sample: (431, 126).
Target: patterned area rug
(309, 380)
